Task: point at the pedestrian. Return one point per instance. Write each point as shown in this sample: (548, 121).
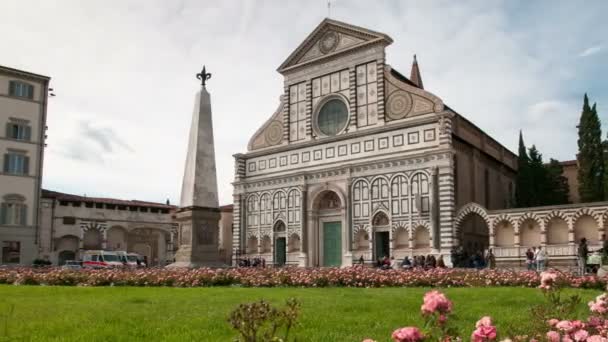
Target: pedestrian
(529, 259)
(583, 252)
(541, 258)
(490, 259)
(440, 262)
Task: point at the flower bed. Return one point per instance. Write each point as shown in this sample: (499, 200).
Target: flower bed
(436, 309)
(295, 277)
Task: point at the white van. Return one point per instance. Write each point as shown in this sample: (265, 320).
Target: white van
(101, 259)
(133, 260)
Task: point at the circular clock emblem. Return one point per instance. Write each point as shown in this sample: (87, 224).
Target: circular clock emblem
(329, 41)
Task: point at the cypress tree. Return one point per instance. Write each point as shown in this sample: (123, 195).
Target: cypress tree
(539, 186)
(559, 188)
(590, 155)
(522, 181)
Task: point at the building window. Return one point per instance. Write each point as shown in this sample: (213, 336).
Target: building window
(13, 210)
(361, 199)
(265, 210)
(333, 117)
(11, 251)
(399, 196)
(16, 163)
(293, 205)
(18, 131)
(252, 210)
(21, 89)
(69, 220)
(420, 193)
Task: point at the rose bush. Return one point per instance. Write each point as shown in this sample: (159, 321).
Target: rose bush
(292, 276)
(562, 329)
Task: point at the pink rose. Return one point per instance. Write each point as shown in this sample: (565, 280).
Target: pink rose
(485, 321)
(368, 340)
(407, 334)
(596, 338)
(484, 333)
(553, 336)
(435, 301)
(552, 322)
(581, 335)
(564, 325)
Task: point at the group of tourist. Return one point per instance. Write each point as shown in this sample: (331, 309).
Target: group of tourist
(418, 261)
(536, 259)
(462, 258)
(249, 262)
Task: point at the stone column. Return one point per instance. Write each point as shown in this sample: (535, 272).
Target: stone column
(311, 228)
(349, 221)
(434, 215)
(543, 234)
(303, 259)
(104, 239)
(601, 230)
(492, 231)
(570, 232)
(516, 233)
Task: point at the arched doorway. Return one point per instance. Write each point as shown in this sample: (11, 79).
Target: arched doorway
(474, 234)
(329, 212)
(280, 244)
(381, 227)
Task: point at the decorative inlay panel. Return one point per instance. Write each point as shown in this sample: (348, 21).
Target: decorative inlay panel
(399, 105)
(366, 146)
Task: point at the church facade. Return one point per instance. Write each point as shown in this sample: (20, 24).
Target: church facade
(361, 161)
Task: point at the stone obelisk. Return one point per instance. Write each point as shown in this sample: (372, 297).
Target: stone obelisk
(198, 216)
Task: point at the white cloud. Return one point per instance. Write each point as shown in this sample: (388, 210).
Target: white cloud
(128, 71)
(591, 51)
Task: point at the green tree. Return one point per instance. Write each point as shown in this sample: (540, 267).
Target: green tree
(590, 155)
(522, 181)
(558, 183)
(539, 185)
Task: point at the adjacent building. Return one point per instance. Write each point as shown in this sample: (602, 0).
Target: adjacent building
(71, 224)
(23, 107)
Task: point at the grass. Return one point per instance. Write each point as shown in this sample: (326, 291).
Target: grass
(199, 314)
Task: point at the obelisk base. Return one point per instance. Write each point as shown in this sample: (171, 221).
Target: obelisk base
(198, 238)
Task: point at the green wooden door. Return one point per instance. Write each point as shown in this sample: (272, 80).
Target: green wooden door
(280, 252)
(382, 244)
(332, 244)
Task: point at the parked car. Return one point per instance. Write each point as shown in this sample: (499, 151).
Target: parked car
(101, 259)
(72, 265)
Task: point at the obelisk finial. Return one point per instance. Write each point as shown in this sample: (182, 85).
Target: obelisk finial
(203, 76)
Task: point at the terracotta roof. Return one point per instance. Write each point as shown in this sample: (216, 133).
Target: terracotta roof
(569, 162)
(227, 208)
(60, 196)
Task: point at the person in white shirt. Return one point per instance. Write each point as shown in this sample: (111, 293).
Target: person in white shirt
(540, 258)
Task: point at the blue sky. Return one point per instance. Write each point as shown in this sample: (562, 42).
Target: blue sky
(124, 73)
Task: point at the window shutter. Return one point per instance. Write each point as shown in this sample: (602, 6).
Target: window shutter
(30, 91)
(6, 162)
(28, 133)
(8, 130)
(26, 165)
(23, 216)
(3, 209)
(12, 86)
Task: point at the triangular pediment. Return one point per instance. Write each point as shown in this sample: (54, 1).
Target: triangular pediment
(329, 39)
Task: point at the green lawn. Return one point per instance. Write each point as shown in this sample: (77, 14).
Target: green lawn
(199, 314)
